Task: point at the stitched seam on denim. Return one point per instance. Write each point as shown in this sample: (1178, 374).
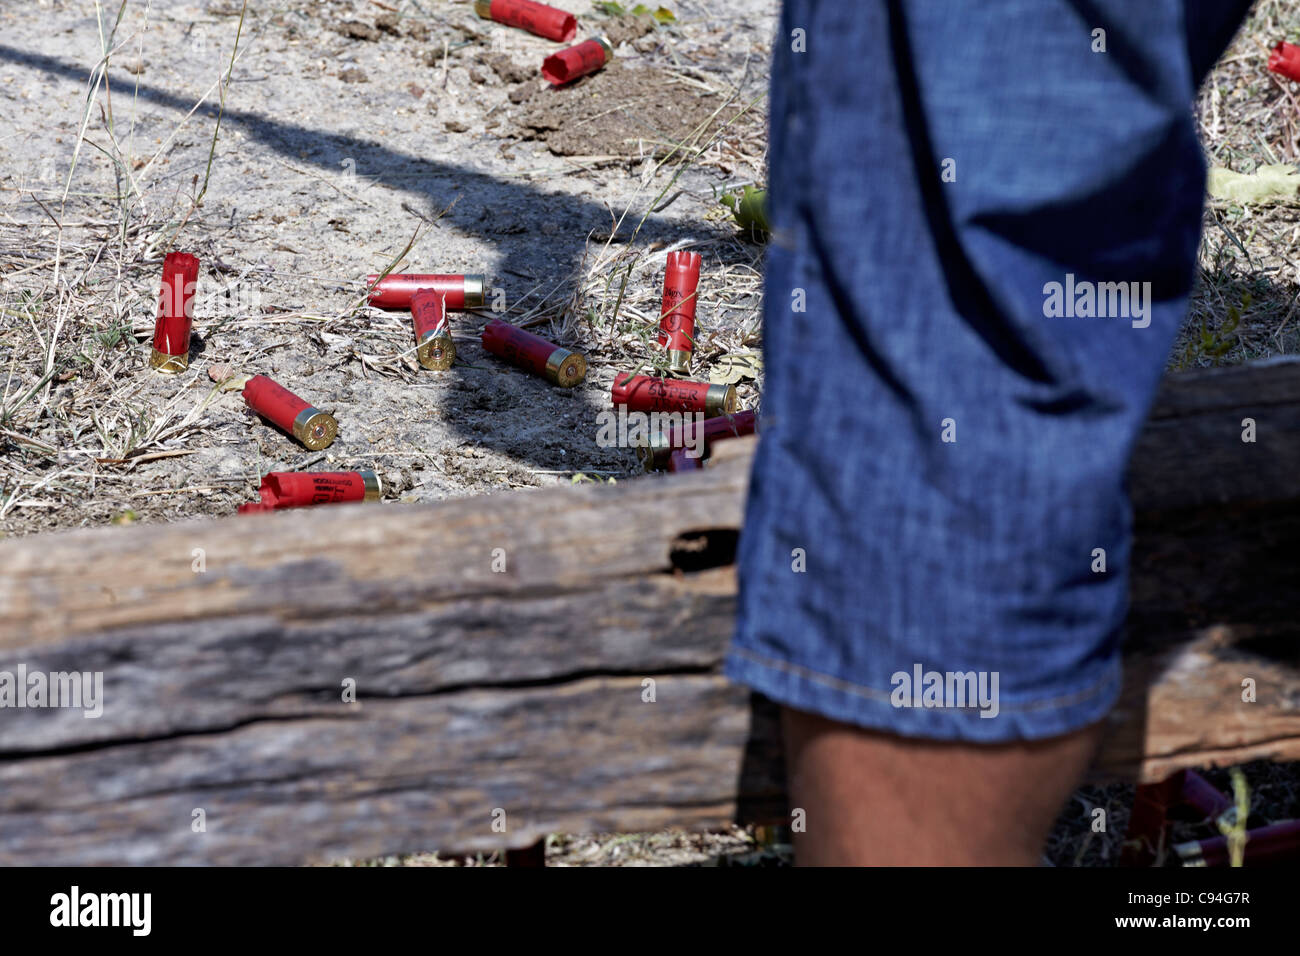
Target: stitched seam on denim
(870, 693)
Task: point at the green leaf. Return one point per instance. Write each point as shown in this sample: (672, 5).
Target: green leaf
(609, 8)
(750, 211)
(661, 15)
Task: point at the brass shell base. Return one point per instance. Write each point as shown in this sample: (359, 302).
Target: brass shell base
(475, 290)
(654, 452)
(436, 352)
(170, 364)
(719, 400)
(315, 429)
(679, 361)
(566, 369)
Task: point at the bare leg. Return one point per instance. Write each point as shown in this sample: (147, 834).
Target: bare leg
(875, 799)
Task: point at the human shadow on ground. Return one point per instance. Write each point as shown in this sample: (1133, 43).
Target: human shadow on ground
(481, 202)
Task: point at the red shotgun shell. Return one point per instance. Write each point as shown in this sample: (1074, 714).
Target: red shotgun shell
(395, 291)
(534, 354)
(569, 64)
(433, 345)
(298, 489)
(536, 18)
(1285, 59)
(677, 316)
(642, 393)
(171, 331)
(657, 451)
(682, 459)
(281, 407)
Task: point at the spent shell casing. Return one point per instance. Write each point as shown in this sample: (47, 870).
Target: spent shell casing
(658, 448)
(645, 393)
(171, 331)
(677, 313)
(311, 426)
(576, 61)
(394, 291)
(433, 345)
(534, 354)
(1285, 59)
(302, 489)
(536, 18)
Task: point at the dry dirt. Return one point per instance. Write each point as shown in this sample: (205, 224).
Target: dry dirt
(346, 131)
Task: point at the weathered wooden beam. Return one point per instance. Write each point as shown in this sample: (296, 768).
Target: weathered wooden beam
(1191, 452)
(1213, 600)
(1212, 606)
(517, 698)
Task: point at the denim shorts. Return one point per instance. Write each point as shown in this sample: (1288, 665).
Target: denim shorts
(986, 218)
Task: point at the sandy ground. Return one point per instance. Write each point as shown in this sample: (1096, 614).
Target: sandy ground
(348, 133)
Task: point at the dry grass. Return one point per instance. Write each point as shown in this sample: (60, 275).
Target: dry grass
(620, 290)
(1273, 790)
(1245, 303)
(737, 846)
(80, 412)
